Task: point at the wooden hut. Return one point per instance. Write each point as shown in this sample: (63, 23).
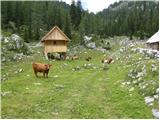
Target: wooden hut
(153, 42)
(55, 41)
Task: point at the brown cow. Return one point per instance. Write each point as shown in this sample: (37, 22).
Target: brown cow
(88, 58)
(107, 60)
(42, 68)
(75, 57)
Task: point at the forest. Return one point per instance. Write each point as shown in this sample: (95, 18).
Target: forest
(32, 19)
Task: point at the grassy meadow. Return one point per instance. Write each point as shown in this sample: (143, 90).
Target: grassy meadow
(68, 93)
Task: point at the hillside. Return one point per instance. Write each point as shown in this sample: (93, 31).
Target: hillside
(137, 18)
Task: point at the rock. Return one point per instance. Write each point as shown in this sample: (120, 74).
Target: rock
(147, 52)
(5, 93)
(123, 83)
(87, 39)
(153, 68)
(157, 90)
(38, 44)
(37, 83)
(103, 50)
(91, 45)
(128, 83)
(55, 76)
(135, 81)
(54, 113)
(18, 56)
(3, 59)
(20, 70)
(155, 113)
(77, 68)
(149, 100)
(131, 89)
(18, 40)
(156, 96)
(65, 64)
(6, 40)
(89, 65)
(3, 78)
(59, 86)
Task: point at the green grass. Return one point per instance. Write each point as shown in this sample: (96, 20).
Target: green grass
(87, 93)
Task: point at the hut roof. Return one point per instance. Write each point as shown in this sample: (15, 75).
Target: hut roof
(154, 38)
(55, 34)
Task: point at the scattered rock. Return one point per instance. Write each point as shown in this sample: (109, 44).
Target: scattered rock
(59, 86)
(149, 100)
(155, 113)
(20, 70)
(3, 59)
(123, 83)
(18, 40)
(77, 68)
(131, 89)
(91, 45)
(147, 52)
(157, 90)
(128, 83)
(5, 93)
(37, 83)
(101, 49)
(153, 68)
(38, 44)
(156, 96)
(87, 39)
(54, 113)
(55, 76)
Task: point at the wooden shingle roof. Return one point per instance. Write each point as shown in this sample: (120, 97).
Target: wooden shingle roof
(55, 34)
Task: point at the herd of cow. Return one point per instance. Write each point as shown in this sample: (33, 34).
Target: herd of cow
(44, 68)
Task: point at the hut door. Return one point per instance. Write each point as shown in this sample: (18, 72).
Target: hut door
(54, 42)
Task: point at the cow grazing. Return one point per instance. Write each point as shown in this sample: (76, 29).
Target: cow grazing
(42, 68)
(75, 57)
(88, 58)
(107, 60)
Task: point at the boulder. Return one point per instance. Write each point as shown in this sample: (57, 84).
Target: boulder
(18, 40)
(91, 45)
(87, 39)
(149, 100)
(153, 68)
(101, 49)
(155, 113)
(38, 44)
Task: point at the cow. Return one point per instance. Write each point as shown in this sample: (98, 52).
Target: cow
(88, 58)
(42, 68)
(107, 60)
(75, 57)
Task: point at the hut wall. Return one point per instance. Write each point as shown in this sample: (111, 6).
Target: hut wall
(154, 46)
(55, 46)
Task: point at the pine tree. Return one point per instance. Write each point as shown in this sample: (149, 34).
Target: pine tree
(67, 28)
(73, 13)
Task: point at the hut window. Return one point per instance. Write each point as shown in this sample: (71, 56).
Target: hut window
(54, 42)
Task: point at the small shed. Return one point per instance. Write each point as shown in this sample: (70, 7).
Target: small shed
(55, 41)
(153, 42)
